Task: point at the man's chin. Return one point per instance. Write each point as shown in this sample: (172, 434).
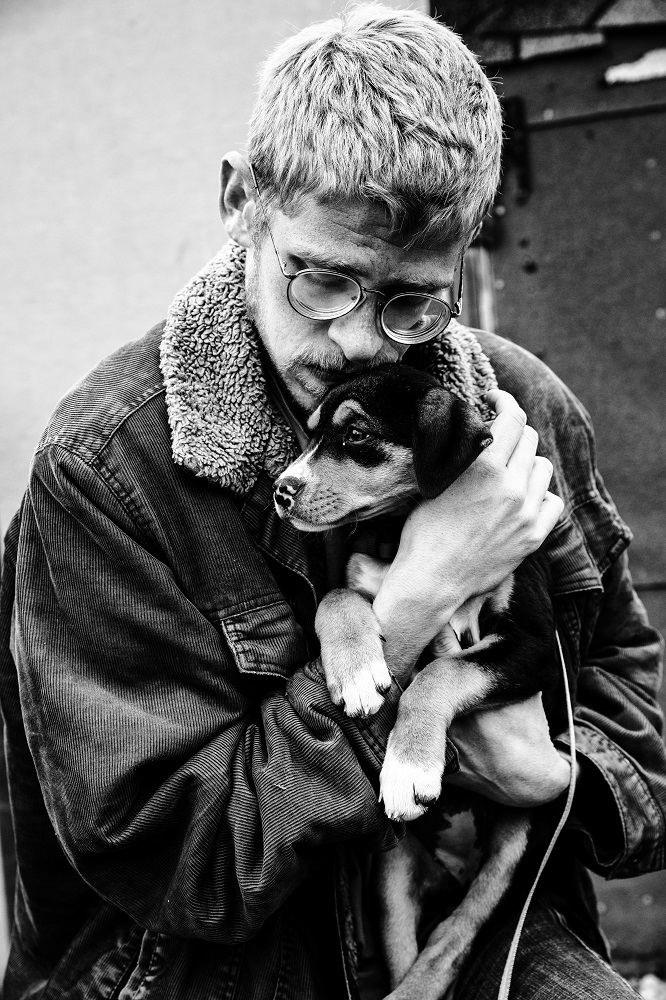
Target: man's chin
(307, 392)
(306, 388)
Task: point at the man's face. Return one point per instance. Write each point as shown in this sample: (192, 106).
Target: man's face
(311, 355)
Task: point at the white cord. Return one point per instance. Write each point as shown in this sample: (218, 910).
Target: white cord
(505, 984)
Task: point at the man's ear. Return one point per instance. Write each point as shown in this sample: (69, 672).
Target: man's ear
(237, 198)
(448, 435)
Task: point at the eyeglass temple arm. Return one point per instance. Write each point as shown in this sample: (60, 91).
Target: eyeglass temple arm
(265, 215)
(457, 306)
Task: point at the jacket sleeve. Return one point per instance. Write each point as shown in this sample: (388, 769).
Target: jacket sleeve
(190, 796)
(618, 826)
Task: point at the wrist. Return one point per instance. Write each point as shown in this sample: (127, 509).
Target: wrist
(409, 620)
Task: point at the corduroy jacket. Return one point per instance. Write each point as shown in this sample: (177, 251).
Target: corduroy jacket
(183, 789)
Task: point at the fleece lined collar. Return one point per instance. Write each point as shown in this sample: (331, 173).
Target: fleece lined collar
(224, 426)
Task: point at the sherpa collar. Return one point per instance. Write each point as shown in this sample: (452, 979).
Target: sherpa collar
(224, 426)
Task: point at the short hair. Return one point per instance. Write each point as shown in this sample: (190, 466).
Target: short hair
(386, 106)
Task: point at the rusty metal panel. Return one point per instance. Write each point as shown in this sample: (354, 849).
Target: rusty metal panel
(625, 12)
(556, 88)
(530, 16)
(581, 282)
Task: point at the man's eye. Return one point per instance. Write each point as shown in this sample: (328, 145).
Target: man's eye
(356, 435)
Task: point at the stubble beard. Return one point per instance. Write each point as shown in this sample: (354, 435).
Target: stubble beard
(309, 367)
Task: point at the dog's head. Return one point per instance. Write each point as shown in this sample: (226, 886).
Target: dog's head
(378, 440)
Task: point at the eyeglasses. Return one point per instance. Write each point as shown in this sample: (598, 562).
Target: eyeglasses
(318, 293)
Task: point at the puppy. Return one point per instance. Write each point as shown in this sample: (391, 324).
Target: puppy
(380, 442)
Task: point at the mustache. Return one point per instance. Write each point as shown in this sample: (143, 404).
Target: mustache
(323, 365)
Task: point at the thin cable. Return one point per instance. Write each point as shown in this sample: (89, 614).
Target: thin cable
(505, 984)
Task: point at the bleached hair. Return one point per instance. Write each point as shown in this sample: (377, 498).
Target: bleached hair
(385, 106)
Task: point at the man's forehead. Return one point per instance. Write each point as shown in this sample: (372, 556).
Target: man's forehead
(356, 236)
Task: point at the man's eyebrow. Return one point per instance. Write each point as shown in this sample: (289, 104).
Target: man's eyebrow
(316, 260)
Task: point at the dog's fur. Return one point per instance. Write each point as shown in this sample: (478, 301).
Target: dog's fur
(381, 441)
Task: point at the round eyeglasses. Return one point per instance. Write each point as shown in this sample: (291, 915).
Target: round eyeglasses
(322, 294)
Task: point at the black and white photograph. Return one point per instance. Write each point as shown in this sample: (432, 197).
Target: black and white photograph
(333, 500)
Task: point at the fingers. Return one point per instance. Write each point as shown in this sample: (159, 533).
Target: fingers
(515, 444)
(523, 459)
(550, 513)
(445, 643)
(508, 426)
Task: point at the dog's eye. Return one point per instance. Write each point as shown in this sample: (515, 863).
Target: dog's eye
(356, 435)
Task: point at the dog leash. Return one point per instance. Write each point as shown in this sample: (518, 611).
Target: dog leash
(505, 984)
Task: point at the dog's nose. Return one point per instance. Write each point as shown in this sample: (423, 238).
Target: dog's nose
(286, 490)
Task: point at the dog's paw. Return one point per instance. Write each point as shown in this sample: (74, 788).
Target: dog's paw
(352, 652)
(362, 691)
(407, 789)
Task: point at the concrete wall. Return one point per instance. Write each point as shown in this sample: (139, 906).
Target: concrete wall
(115, 117)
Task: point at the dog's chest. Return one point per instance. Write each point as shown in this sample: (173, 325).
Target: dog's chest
(465, 621)
(455, 831)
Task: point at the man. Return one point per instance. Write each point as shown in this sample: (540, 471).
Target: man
(194, 817)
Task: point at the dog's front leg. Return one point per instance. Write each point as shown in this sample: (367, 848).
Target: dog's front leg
(352, 653)
(411, 777)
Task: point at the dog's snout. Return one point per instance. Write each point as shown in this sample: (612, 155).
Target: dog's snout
(286, 490)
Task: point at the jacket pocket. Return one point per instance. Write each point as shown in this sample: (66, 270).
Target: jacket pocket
(266, 640)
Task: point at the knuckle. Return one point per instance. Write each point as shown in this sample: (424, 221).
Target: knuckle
(489, 464)
(515, 500)
(517, 414)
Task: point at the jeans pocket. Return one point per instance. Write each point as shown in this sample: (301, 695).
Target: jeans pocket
(136, 980)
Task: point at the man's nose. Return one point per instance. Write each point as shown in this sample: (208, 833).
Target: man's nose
(358, 334)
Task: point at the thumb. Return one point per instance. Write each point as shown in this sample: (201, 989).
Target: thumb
(445, 643)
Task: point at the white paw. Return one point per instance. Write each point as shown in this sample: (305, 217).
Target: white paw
(361, 692)
(407, 789)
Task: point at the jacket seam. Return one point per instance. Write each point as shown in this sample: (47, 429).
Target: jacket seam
(249, 607)
(108, 480)
(93, 454)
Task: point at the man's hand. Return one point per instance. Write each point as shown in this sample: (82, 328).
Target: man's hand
(468, 539)
(507, 755)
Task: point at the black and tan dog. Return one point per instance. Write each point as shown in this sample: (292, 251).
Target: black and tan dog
(380, 442)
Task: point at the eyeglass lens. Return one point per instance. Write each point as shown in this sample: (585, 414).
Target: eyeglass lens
(323, 294)
(414, 315)
(327, 294)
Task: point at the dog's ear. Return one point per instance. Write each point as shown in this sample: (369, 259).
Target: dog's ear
(448, 435)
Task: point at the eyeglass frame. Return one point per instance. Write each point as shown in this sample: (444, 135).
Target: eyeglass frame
(454, 310)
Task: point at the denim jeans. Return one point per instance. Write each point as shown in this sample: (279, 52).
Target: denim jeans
(552, 964)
